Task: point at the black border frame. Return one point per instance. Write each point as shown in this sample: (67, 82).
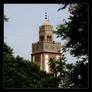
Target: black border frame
(2, 32)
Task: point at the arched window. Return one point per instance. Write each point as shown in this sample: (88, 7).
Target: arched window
(49, 38)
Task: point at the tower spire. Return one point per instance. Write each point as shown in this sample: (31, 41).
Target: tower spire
(46, 15)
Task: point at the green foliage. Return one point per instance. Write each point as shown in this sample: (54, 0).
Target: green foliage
(53, 67)
(80, 74)
(5, 18)
(75, 31)
(7, 49)
(57, 68)
(72, 75)
(20, 73)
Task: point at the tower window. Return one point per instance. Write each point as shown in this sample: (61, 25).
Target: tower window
(41, 38)
(49, 38)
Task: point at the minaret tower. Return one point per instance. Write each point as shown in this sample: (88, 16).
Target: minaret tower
(45, 32)
(46, 46)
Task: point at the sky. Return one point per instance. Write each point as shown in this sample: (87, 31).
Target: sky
(22, 29)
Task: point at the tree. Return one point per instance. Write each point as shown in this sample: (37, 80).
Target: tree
(80, 74)
(21, 73)
(5, 18)
(75, 31)
(70, 75)
(7, 49)
(60, 69)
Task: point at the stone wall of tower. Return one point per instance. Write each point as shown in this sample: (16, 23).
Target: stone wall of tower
(46, 47)
(42, 63)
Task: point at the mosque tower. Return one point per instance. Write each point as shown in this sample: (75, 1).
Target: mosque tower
(46, 47)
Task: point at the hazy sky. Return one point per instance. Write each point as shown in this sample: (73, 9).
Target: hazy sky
(23, 26)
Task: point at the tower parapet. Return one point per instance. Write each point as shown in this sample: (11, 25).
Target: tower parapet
(46, 47)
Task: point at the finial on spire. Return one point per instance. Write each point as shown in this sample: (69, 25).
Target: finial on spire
(46, 15)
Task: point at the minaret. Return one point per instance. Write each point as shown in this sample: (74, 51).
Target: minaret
(46, 46)
(46, 33)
